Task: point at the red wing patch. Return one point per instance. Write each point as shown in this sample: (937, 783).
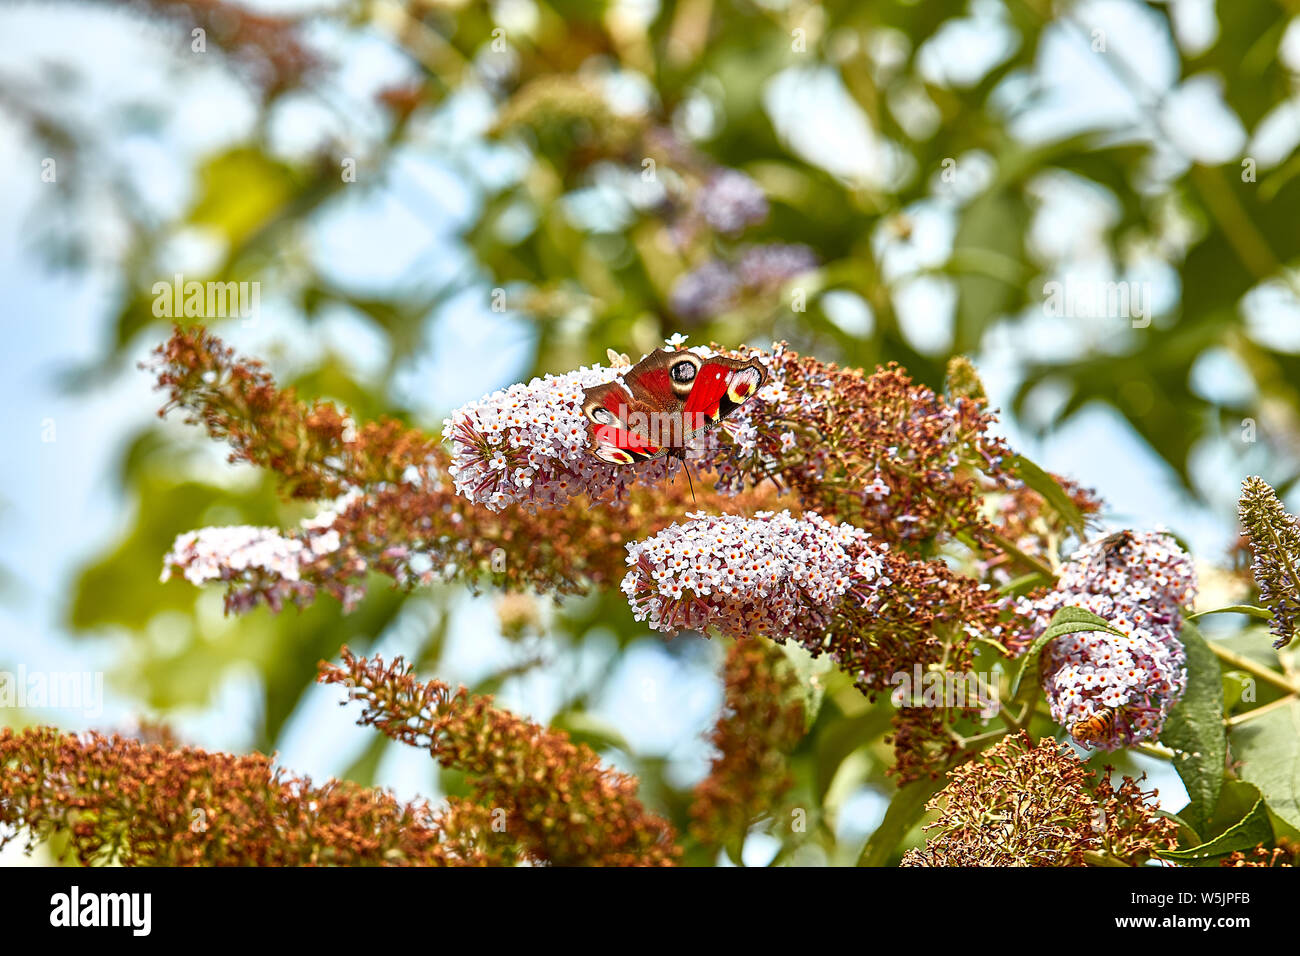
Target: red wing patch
(607, 412)
(720, 388)
(710, 386)
(614, 402)
(654, 383)
(620, 446)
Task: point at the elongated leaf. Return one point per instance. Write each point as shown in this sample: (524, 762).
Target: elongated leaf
(1269, 749)
(1194, 728)
(240, 190)
(1253, 829)
(1068, 620)
(586, 728)
(1025, 583)
(844, 736)
(1051, 490)
(812, 674)
(907, 807)
(1235, 801)
(1262, 613)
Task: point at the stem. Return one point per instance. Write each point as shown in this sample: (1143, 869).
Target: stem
(1009, 548)
(972, 744)
(1251, 247)
(1260, 613)
(1155, 750)
(1013, 722)
(1259, 711)
(1250, 667)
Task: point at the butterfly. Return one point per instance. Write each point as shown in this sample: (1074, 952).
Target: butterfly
(665, 401)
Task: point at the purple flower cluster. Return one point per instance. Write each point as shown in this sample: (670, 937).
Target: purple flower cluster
(527, 444)
(265, 563)
(730, 202)
(717, 285)
(705, 291)
(1139, 582)
(773, 574)
(769, 266)
(1275, 544)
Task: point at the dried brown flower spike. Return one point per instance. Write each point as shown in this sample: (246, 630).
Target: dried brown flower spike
(761, 723)
(123, 801)
(1027, 804)
(553, 796)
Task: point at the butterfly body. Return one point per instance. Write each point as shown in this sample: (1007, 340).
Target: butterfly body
(664, 402)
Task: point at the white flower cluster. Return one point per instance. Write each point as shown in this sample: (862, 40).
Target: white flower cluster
(228, 553)
(773, 574)
(1138, 582)
(528, 444)
(1138, 677)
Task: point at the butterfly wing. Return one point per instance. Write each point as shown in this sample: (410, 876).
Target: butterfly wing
(666, 399)
(692, 393)
(609, 410)
(721, 386)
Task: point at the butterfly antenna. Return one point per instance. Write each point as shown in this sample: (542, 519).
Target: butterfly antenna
(691, 484)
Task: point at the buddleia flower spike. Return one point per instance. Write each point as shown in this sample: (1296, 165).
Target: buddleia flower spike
(1275, 542)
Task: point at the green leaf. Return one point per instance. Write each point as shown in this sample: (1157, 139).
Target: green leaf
(842, 737)
(812, 675)
(365, 768)
(586, 728)
(1025, 583)
(988, 263)
(1051, 490)
(1237, 686)
(1195, 729)
(1253, 829)
(1068, 620)
(1187, 835)
(1262, 613)
(907, 807)
(240, 190)
(1269, 748)
(1235, 800)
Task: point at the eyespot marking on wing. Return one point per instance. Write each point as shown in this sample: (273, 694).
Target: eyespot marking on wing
(744, 383)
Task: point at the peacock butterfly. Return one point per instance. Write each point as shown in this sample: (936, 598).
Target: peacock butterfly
(664, 401)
